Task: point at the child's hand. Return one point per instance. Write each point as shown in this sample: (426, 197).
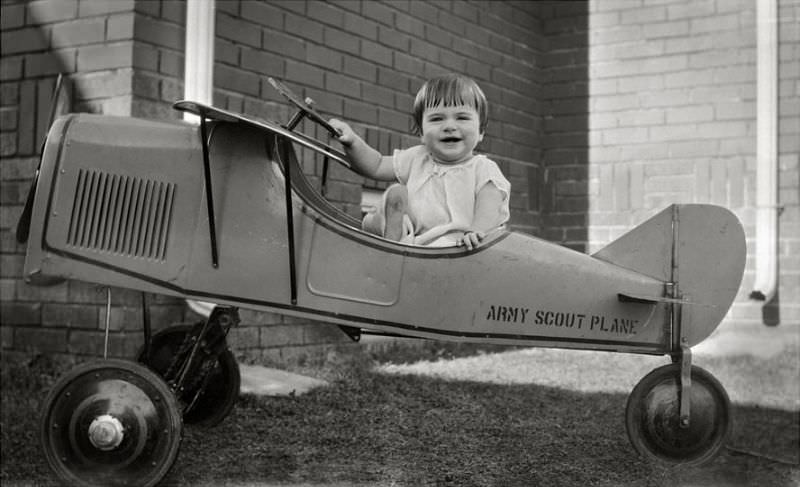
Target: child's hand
(471, 239)
(347, 137)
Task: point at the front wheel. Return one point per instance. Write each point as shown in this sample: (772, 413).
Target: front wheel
(110, 423)
(652, 417)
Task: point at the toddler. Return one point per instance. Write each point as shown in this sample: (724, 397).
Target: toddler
(447, 195)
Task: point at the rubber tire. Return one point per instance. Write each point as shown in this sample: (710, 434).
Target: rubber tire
(652, 417)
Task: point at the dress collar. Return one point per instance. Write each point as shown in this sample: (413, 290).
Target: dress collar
(438, 169)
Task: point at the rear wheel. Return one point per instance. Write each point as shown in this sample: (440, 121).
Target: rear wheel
(110, 423)
(220, 388)
(652, 417)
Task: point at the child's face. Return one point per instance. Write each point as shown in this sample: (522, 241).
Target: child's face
(450, 133)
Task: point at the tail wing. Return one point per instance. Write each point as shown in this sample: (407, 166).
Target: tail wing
(700, 248)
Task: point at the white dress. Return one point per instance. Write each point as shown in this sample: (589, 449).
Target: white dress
(441, 197)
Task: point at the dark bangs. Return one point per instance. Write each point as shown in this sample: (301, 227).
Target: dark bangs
(450, 90)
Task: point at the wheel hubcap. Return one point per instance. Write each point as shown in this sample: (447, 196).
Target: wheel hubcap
(106, 432)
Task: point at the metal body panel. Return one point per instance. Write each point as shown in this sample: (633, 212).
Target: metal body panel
(512, 289)
(374, 279)
(515, 290)
(250, 221)
(119, 188)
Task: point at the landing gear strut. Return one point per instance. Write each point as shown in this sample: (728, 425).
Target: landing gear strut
(210, 384)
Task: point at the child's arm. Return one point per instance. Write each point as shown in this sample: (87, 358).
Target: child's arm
(366, 160)
(488, 203)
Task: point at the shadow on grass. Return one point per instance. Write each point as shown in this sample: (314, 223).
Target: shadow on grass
(375, 429)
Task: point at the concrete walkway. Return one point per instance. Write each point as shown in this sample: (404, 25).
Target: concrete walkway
(264, 381)
(755, 339)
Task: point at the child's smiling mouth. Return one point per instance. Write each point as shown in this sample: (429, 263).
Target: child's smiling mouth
(450, 140)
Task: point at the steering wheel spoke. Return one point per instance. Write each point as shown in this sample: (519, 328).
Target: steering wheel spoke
(304, 106)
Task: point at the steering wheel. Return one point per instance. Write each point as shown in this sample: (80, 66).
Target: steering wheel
(304, 106)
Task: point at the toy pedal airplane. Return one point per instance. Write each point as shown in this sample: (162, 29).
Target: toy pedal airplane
(222, 212)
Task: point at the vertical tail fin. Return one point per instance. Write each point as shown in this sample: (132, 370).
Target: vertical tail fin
(700, 248)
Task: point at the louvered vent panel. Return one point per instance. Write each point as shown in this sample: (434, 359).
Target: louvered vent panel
(121, 214)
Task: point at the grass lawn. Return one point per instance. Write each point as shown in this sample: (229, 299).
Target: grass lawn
(382, 425)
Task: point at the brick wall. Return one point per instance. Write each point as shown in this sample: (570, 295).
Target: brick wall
(788, 306)
(158, 61)
(655, 103)
(563, 186)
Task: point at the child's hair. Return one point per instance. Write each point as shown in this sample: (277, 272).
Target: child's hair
(451, 90)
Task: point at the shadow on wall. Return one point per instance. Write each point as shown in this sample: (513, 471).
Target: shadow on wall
(564, 186)
(38, 102)
(771, 310)
(45, 92)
